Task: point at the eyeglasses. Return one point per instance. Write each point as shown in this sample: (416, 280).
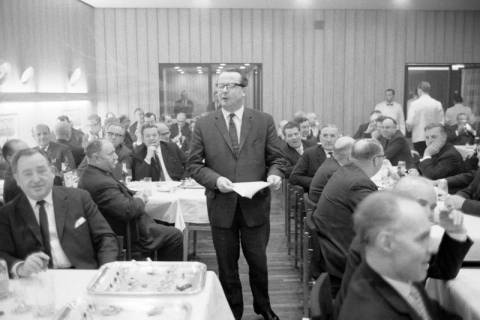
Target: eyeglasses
(229, 86)
(114, 134)
(164, 133)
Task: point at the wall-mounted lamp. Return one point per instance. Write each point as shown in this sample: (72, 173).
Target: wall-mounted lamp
(75, 76)
(4, 71)
(27, 75)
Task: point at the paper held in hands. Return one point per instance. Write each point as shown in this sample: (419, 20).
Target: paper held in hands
(248, 189)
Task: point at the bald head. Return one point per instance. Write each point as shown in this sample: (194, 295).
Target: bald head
(163, 132)
(342, 148)
(419, 189)
(366, 149)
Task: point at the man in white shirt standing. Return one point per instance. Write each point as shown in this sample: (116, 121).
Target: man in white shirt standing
(392, 109)
(423, 111)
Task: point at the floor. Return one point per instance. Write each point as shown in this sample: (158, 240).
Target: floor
(284, 279)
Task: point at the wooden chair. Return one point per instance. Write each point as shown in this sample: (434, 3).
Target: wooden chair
(321, 304)
(194, 227)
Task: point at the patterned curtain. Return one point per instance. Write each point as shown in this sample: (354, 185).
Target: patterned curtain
(471, 89)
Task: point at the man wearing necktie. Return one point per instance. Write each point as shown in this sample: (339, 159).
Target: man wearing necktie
(51, 226)
(157, 158)
(390, 108)
(237, 144)
(395, 231)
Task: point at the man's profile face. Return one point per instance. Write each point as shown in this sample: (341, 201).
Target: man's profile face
(389, 96)
(93, 126)
(230, 99)
(42, 136)
(434, 135)
(292, 137)
(150, 137)
(107, 156)
(34, 176)
(163, 133)
(328, 136)
(389, 128)
(411, 249)
(115, 134)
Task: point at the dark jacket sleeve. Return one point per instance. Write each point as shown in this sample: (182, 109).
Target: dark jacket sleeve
(299, 173)
(275, 159)
(447, 262)
(442, 166)
(461, 180)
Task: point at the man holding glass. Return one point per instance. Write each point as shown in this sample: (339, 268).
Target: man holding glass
(237, 144)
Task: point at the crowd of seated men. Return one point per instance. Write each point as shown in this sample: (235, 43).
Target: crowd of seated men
(45, 224)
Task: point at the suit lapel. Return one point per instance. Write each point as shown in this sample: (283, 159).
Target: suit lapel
(222, 127)
(28, 216)
(246, 127)
(60, 208)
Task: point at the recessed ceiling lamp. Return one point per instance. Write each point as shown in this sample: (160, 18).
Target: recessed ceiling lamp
(456, 67)
(242, 67)
(75, 76)
(246, 64)
(4, 70)
(176, 67)
(27, 75)
(223, 64)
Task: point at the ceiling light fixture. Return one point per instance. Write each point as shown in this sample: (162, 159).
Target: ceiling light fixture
(27, 75)
(75, 76)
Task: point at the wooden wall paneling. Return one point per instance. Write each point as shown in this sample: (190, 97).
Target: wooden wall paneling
(215, 36)
(369, 51)
(194, 33)
(205, 36)
(298, 85)
(420, 36)
(468, 37)
(162, 35)
(226, 35)
(236, 36)
(277, 65)
(247, 36)
(390, 54)
(429, 36)
(352, 114)
(111, 60)
(142, 63)
(152, 66)
(410, 37)
(337, 105)
(173, 35)
(449, 37)
(257, 36)
(400, 57)
(328, 63)
(318, 67)
(287, 66)
(476, 39)
(184, 39)
(439, 49)
(459, 33)
(268, 54)
(121, 62)
(100, 59)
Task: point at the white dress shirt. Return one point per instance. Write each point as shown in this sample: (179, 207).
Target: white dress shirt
(423, 111)
(393, 110)
(59, 258)
(237, 119)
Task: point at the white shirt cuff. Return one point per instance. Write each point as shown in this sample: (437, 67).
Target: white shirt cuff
(425, 158)
(14, 270)
(148, 161)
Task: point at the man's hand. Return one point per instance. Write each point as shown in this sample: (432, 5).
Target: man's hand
(276, 181)
(34, 263)
(371, 127)
(142, 196)
(454, 202)
(150, 152)
(431, 150)
(224, 185)
(452, 221)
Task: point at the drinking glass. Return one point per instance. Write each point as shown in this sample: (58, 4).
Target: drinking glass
(44, 295)
(4, 280)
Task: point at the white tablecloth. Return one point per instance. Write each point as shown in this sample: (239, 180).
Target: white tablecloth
(459, 295)
(210, 304)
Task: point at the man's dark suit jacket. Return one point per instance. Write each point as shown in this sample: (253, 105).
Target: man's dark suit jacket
(347, 187)
(370, 297)
(58, 153)
(173, 158)
(10, 186)
(77, 152)
(88, 246)
(321, 177)
(445, 264)
(472, 196)
(447, 162)
(397, 149)
(292, 156)
(460, 181)
(124, 155)
(133, 129)
(186, 133)
(360, 134)
(463, 138)
(303, 172)
(259, 155)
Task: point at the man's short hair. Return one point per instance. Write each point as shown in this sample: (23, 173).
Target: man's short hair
(391, 90)
(64, 118)
(424, 86)
(109, 121)
(457, 98)
(374, 112)
(38, 126)
(123, 118)
(95, 117)
(137, 110)
(290, 125)
(115, 123)
(389, 118)
(148, 126)
(151, 114)
(366, 149)
(342, 147)
(443, 130)
(243, 75)
(92, 147)
(300, 120)
(26, 153)
(380, 118)
(7, 148)
(63, 130)
(378, 211)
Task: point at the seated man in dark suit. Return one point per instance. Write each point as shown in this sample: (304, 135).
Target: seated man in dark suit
(395, 144)
(115, 133)
(467, 199)
(340, 157)
(348, 186)
(48, 225)
(388, 284)
(304, 125)
(313, 157)
(454, 245)
(366, 129)
(156, 158)
(59, 155)
(76, 135)
(294, 145)
(63, 133)
(440, 158)
(10, 186)
(462, 132)
(119, 205)
(180, 133)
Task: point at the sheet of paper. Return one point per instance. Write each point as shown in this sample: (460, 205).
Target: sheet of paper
(248, 189)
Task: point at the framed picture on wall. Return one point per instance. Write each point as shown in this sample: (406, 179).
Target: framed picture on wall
(8, 127)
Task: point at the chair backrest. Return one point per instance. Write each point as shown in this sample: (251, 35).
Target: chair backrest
(321, 305)
(121, 251)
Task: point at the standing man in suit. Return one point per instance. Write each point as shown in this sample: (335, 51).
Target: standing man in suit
(55, 226)
(236, 144)
(388, 283)
(156, 158)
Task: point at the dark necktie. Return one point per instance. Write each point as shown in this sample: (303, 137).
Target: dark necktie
(159, 166)
(232, 131)
(42, 218)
